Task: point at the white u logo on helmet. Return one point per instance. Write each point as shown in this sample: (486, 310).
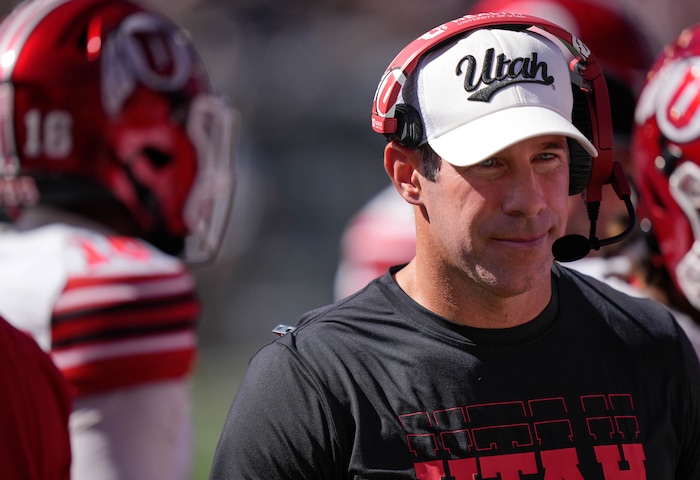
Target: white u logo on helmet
(145, 49)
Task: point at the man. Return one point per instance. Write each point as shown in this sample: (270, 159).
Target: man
(382, 233)
(116, 165)
(480, 358)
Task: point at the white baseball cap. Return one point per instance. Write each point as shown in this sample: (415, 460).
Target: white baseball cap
(492, 89)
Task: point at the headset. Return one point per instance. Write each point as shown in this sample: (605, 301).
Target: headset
(591, 115)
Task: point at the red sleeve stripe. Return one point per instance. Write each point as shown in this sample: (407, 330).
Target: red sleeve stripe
(121, 334)
(110, 293)
(86, 354)
(105, 278)
(132, 318)
(109, 374)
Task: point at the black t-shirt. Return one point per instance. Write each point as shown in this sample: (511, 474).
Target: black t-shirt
(598, 386)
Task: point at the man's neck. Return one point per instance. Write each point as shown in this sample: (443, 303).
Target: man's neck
(463, 301)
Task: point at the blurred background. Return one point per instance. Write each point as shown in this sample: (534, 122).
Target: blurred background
(302, 74)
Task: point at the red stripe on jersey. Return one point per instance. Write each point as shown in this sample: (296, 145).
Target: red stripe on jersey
(91, 281)
(83, 293)
(125, 320)
(109, 374)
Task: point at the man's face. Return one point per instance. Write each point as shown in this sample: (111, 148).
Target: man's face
(496, 221)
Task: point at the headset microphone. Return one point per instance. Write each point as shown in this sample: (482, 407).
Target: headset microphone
(574, 247)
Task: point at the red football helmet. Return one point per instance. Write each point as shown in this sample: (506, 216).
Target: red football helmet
(108, 98)
(666, 154)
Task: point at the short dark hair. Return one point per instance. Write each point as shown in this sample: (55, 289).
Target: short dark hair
(431, 162)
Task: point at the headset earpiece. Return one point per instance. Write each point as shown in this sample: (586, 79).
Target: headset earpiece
(409, 126)
(580, 161)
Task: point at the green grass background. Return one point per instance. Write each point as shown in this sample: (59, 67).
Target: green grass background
(219, 372)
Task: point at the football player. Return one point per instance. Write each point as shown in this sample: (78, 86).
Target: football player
(115, 162)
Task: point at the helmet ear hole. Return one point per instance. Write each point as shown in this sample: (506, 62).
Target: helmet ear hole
(157, 157)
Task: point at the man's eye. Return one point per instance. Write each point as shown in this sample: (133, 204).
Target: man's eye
(489, 162)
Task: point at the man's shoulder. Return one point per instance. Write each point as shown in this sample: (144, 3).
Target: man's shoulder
(619, 307)
(596, 287)
(373, 297)
(369, 315)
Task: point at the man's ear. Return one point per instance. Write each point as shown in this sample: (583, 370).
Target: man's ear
(403, 167)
